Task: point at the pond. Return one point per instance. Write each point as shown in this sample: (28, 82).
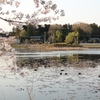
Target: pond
(70, 76)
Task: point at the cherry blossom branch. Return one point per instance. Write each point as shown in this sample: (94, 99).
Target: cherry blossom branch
(11, 20)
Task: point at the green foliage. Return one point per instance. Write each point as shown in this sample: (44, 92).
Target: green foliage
(60, 33)
(30, 30)
(22, 36)
(23, 33)
(73, 58)
(72, 38)
(95, 30)
(59, 36)
(66, 29)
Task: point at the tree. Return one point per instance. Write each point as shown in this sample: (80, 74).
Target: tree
(66, 29)
(95, 30)
(54, 38)
(53, 28)
(23, 33)
(83, 26)
(72, 38)
(59, 36)
(52, 31)
(46, 29)
(15, 32)
(83, 29)
(22, 36)
(30, 30)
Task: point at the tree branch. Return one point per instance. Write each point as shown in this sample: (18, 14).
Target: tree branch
(11, 20)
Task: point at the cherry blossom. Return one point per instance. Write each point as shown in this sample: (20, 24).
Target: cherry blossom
(19, 17)
(16, 18)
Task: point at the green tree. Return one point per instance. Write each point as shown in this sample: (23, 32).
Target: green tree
(23, 33)
(30, 30)
(40, 30)
(72, 38)
(22, 36)
(52, 32)
(66, 29)
(17, 32)
(25, 27)
(95, 30)
(58, 36)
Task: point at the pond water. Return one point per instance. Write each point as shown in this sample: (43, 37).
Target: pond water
(72, 76)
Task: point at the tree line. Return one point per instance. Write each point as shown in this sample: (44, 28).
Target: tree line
(71, 34)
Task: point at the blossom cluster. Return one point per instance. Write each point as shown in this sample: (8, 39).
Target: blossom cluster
(19, 18)
(11, 2)
(7, 53)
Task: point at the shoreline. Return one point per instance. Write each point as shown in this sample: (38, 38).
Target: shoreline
(50, 48)
(40, 47)
(67, 48)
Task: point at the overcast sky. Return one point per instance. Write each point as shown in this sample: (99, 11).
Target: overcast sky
(75, 11)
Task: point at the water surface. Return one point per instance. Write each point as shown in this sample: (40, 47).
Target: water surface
(64, 77)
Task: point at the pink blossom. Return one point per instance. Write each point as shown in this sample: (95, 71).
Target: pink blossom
(17, 4)
(54, 6)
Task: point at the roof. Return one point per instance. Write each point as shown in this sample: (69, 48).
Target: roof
(35, 37)
(94, 38)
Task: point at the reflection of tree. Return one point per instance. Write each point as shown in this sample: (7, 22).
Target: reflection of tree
(73, 58)
(64, 59)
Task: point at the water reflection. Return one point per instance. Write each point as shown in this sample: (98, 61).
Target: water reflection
(75, 60)
(71, 77)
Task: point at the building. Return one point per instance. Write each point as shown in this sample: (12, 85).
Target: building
(36, 39)
(96, 40)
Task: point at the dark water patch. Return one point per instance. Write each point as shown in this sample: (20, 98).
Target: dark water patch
(66, 61)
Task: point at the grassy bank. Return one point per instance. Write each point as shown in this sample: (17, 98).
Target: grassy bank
(46, 47)
(91, 45)
(51, 47)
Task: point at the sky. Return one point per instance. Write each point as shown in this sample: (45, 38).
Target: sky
(86, 11)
